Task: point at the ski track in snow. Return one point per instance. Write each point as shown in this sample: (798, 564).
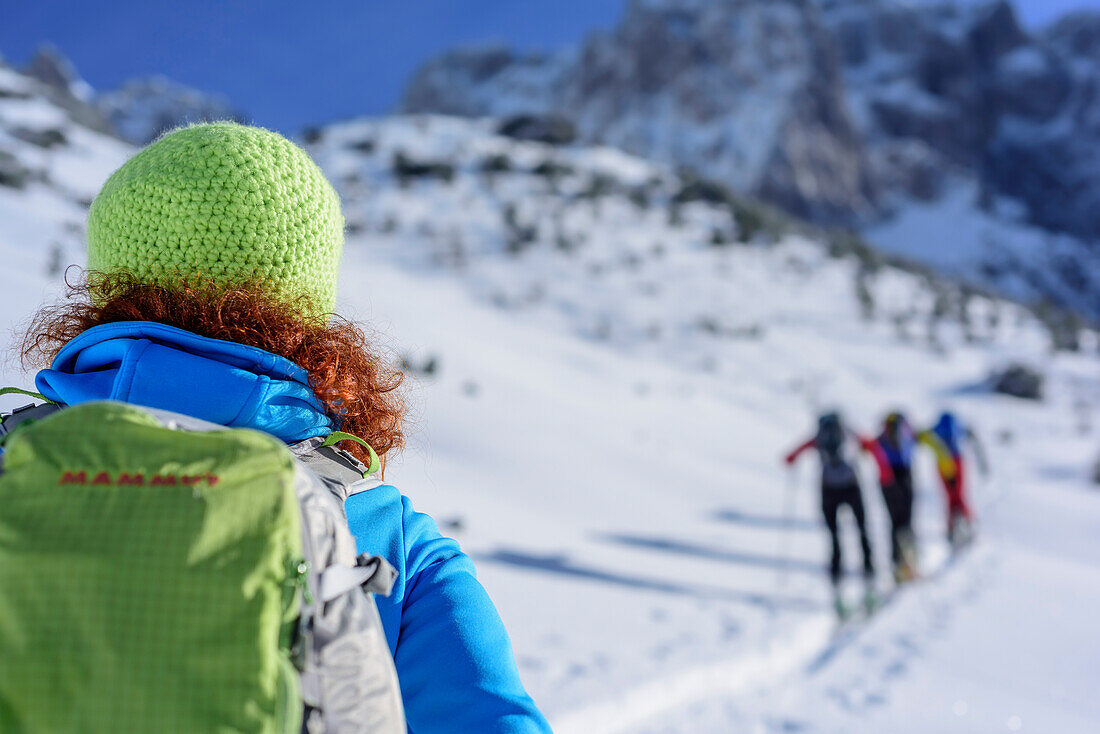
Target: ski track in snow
(814, 681)
(786, 661)
(655, 698)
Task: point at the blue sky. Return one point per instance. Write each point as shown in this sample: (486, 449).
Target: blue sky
(290, 63)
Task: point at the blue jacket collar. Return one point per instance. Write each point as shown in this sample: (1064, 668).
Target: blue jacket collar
(160, 366)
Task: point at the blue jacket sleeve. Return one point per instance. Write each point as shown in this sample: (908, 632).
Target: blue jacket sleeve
(453, 656)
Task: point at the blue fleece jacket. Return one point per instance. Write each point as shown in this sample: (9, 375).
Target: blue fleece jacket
(452, 654)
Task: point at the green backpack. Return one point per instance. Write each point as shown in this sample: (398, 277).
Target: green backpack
(161, 574)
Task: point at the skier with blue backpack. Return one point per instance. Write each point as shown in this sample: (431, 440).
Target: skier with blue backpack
(954, 435)
(202, 409)
(837, 447)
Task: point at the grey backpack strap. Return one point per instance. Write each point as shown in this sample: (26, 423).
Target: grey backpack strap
(341, 472)
(370, 573)
(348, 679)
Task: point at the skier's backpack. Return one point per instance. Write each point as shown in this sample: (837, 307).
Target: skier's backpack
(836, 471)
(897, 441)
(830, 436)
(162, 574)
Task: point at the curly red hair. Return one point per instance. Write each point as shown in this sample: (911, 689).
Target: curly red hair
(358, 388)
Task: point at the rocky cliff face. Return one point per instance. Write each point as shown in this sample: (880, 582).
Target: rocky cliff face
(941, 90)
(1047, 148)
(839, 110)
(745, 91)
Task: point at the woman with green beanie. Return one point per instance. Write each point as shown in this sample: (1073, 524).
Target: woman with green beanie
(212, 258)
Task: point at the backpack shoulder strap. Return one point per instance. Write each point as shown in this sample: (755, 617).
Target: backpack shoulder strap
(341, 472)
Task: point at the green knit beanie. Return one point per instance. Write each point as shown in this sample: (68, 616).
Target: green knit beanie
(225, 202)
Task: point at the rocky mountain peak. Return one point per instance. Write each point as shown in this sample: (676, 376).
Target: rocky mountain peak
(54, 69)
(141, 109)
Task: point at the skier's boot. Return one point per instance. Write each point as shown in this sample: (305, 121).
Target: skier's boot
(908, 565)
(966, 532)
(870, 594)
(960, 532)
(841, 609)
(905, 569)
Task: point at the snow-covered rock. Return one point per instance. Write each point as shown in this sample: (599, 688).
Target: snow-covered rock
(52, 74)
(1014, 111)
(982, 106)
(138, 111)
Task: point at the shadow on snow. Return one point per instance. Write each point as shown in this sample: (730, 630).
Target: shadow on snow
(671, 545)
(565, 566)
(768, 522)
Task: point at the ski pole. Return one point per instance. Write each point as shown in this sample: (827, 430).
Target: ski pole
(784, 543)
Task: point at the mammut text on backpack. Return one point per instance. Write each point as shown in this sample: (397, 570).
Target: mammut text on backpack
(137, 479)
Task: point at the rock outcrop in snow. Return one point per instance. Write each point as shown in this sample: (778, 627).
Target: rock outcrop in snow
(54, 69)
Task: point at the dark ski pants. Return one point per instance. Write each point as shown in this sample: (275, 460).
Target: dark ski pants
(831, 500)
(899, 504)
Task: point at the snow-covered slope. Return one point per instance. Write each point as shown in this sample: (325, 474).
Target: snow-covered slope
(616, 375)
(51, 167)
(615, 248)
